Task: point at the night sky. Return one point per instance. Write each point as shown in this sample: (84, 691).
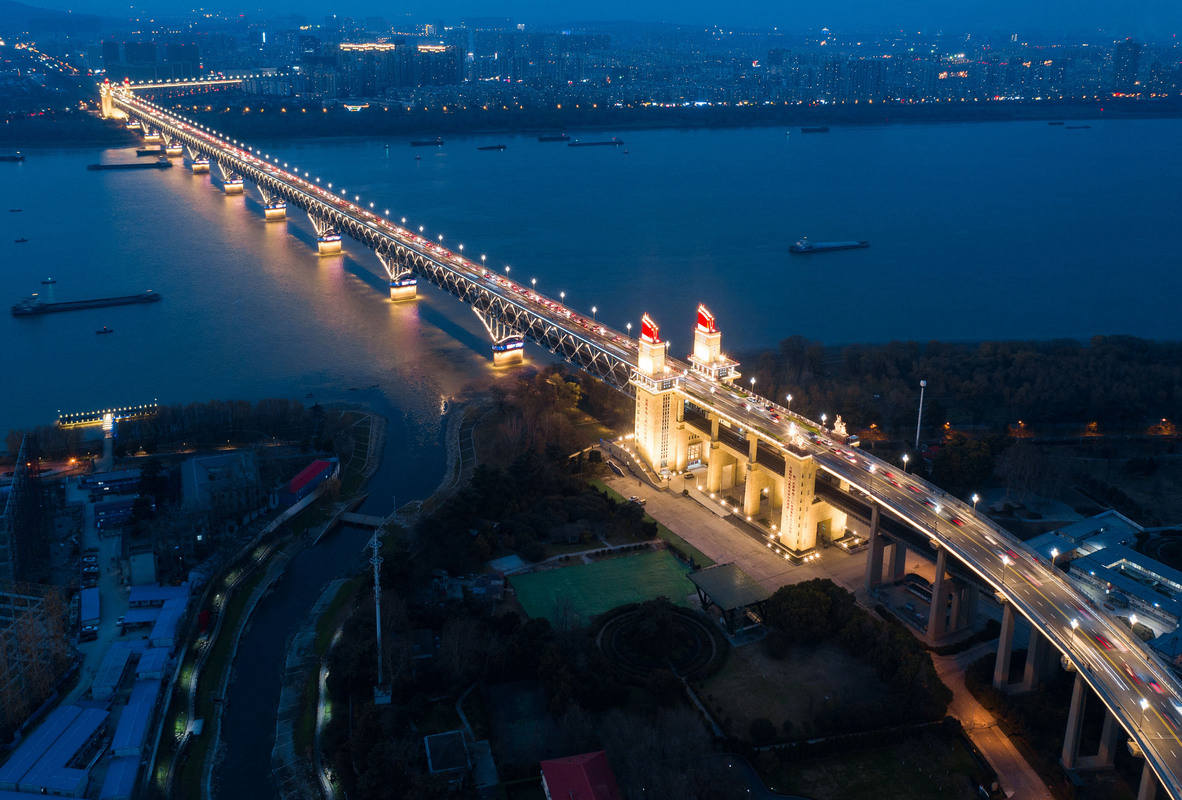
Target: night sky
(1146, 18)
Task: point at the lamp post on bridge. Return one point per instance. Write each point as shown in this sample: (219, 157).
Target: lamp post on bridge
(594, 311)
(788, 407)
(906, 458)
(628, 325)
(562, 297)
(976, 497)
(919, 418)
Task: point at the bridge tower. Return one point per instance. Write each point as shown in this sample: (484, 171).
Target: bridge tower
(106, 102)
(659, 407)
(274, 206)
(403, 283)
(172, 146)
(328, 238)
(707, 357)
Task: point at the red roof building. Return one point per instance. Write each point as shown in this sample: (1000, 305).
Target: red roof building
(584, 777)
(308, 475)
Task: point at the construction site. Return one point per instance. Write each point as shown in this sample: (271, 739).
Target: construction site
(34, 650)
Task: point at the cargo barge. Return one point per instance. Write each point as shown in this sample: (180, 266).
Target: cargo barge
(33, 306)
(160, 163)
(612, 142)
(492, 147)
(815, 129)
(805, 247)
(436, 142)
(554, 137)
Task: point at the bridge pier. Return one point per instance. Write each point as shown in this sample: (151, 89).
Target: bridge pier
(328, 238)
(230, 180)
(1005, 647)
(403, 283)
(200, 165)
(1148, 788)
(877, 548)
(508, 345)
(152, 135)
(1110, 737)
(172, 147)
(938, 609)
(898, 564)
(274, 206)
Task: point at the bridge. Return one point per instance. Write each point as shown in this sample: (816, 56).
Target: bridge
(804, 478)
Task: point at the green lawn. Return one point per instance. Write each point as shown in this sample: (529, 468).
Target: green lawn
(932, 766)
(586, 590)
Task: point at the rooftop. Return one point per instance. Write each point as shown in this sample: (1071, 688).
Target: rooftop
(446, 752)
(728, 586)
(583, 777)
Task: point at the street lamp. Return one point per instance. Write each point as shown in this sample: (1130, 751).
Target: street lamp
(919, 417)
(975, 498)
(534, 283)
(823, 418)
(1005, 563)
(628, 325)
(906, 458)
(789, 406)
(594, 311)
(562, 296)
(1074, 628)
(1144, 707)
(1132, 621)
(1054, 555)
(752, 384)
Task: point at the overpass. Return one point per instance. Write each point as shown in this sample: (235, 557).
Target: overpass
(693, 410)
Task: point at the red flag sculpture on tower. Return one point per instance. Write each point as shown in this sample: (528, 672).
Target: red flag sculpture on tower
(705, 319)
(649, 330)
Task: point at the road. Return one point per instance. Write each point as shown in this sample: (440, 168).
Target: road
(1126, 676)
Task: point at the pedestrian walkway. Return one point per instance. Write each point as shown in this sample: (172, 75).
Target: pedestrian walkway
(1017, 778)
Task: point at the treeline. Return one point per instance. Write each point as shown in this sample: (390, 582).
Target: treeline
(1121, 382)
(217, 422)
(819, 611)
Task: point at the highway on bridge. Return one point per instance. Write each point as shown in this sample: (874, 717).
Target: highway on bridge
(1132, 683)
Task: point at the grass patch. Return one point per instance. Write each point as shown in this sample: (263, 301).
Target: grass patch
(798, 689)
(586, 590)
(934, 765)
(609, 491)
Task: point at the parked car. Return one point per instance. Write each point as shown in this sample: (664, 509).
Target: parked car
(637, 500)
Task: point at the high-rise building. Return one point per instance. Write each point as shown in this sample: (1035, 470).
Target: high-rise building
(1126, 59)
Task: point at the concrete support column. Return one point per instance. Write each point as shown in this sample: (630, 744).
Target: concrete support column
(1074, 722)
(874, 557)
(954, 609)
(752, 492)
(939, 607)
(898, 561)
(1110, 738)
(1148, 788)
(1036, 654)
(714, 468)
(1005, 648)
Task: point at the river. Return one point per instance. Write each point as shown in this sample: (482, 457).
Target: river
(1000, 230)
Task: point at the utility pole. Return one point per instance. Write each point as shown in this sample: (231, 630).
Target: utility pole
(381, 695)
(919, 419)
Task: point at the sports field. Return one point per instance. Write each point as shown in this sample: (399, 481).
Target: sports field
(584, 590)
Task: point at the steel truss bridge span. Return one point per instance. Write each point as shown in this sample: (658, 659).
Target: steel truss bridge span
(503, 306)
(1038, 591)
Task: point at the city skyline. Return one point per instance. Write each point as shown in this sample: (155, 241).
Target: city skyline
(1146, 19)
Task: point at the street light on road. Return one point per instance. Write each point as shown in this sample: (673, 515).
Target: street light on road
(976, 497)
(1005, 563)
(906, 458)
(752, 384)
(562, 297)
(594, 311)
(789, 406)
(823, 418)
(628, 325)
(1144, 707)
(534, 283)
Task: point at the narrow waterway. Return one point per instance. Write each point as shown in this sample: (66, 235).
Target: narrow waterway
(248, 720)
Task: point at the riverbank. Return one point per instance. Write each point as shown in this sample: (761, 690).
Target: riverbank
(251, 119)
